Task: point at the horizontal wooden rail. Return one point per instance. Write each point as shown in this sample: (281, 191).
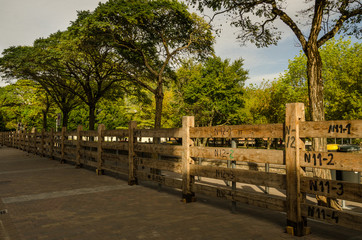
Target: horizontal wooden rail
(253, 198)
(239, 175)
(159, 164)
(332, 160)
(239, 131)
(164, 149)
(164, 180)
(237, 154)
(121, 133)
(115, 158)
(89, 133)
(332, 129)
(164, 132)
(115, 145)
(331, 188)
(332, 216)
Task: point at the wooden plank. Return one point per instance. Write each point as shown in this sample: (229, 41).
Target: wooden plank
(86, 153)
(332, 188)
(89, 144)
(120, 133)
(252, 198)
(239, 175)
(159, 164)
(70, 150)
(90, 163)
(132, 166)
(115, 157)
(167, 150)
(243, 155)
(70, 142)
(332, 129)
(115, 145)
(78, 157)
(89, 133)
(188, 195)
(239, 131)
(115, 169)
(332, 160)
(293, 145)
(101, 127)
(164, 180)
(164, 132)
(71, 133)
(329, 215)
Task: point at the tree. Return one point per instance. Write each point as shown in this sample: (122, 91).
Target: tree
(40, 64)
(212, 91)
(149, 37)
(341, 73)
(90, 64)
(330, 16)
(27, 103)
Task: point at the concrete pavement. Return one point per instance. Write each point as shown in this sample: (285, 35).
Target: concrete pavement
(43, 199)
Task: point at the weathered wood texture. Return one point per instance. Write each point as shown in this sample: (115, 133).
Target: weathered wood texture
(332, 188)
(187, 193)
(166, 133)
(332, 160)
(332, 216)
(163, 149)
(253, 198)
(239, 175)
(295, 114)
(332, 129)
(159, 164)
(244, 155)
(164, 180)
(240, 131)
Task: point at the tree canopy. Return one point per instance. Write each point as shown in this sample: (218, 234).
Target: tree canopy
(211, 91)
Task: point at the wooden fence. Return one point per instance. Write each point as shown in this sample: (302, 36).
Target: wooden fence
(219, 171)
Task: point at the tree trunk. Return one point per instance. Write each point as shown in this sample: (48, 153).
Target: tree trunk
(316, 106)
(65, 119)
(45, 119)
(92, 109)
(159, 103)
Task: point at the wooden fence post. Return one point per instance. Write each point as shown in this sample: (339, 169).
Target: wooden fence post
(64, 129)
(13, 139)
(187, 180)
(77, 155)
(51, 142)
(296, 224)
(132, 179)
(27, 140)
(33, 137)
(101, 128)
(42, 143)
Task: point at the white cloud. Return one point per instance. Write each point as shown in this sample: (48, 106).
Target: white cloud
(258, 79)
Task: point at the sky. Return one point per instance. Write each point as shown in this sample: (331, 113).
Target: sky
(23, 21)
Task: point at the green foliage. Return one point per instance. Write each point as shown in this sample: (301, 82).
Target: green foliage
(24, 102)
(212, 91)
(342, 88)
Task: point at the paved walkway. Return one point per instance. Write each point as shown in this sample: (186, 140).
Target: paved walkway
(43, 199)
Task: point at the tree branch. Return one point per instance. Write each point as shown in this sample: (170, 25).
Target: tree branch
(345, 16)
(290, 23)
